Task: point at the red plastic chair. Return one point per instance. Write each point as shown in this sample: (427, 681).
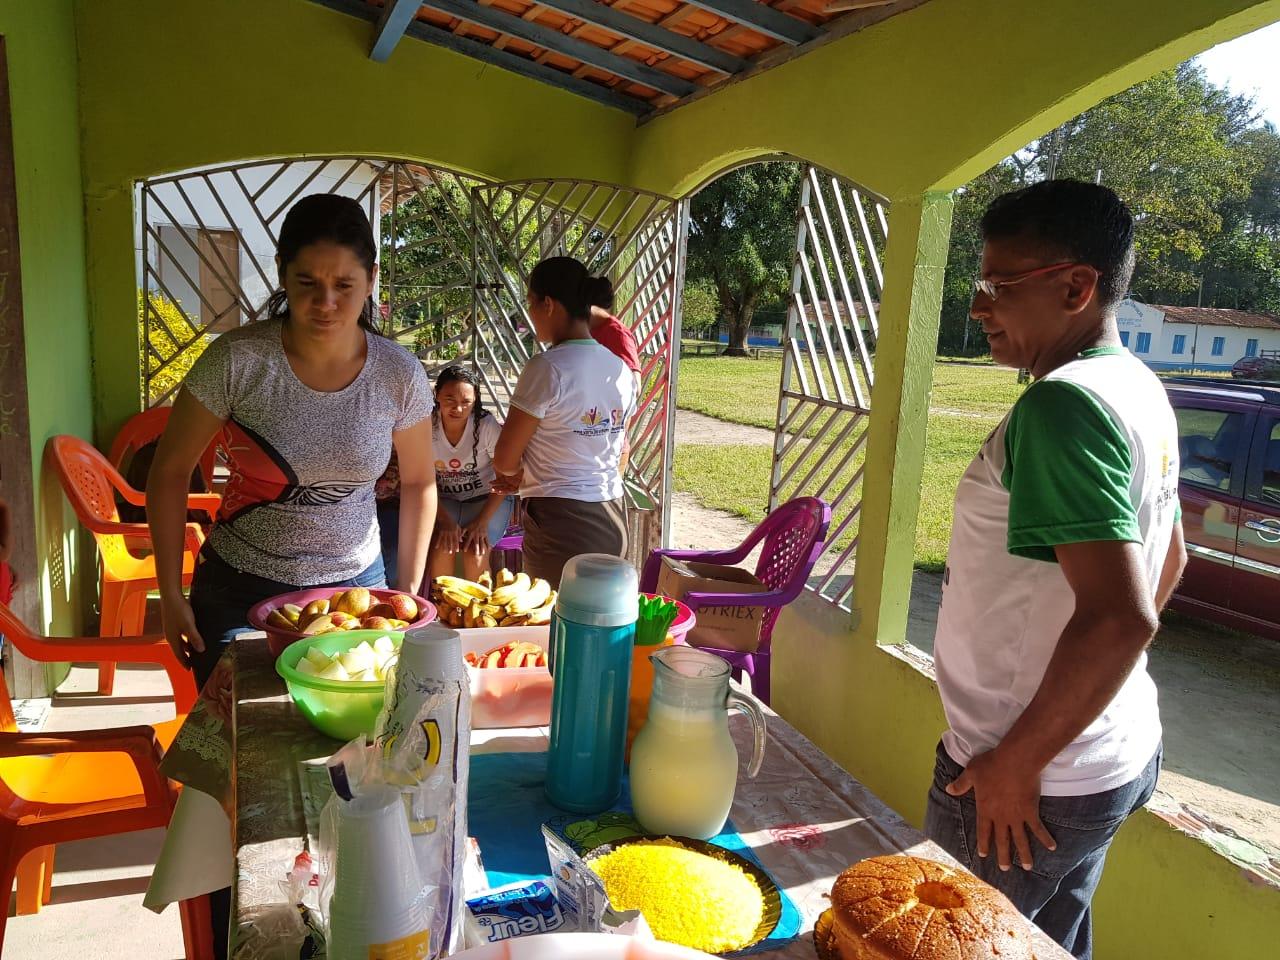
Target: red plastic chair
(112, 650)
(793, 537)
(90, 482)
(78, 785)
(146, 427)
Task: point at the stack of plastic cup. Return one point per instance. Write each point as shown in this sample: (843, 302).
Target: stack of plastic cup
(377, 892)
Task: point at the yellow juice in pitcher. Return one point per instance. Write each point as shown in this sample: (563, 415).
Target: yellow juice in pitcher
(684, 765)
(684, 768)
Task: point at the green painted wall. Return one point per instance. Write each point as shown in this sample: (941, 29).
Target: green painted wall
(40, 40)
(185, 83)
(931, 97)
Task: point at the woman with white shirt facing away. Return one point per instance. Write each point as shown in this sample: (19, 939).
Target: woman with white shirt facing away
(471, 517)
(562, 444)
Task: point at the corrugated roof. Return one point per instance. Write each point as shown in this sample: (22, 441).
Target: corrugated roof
(1218, 317)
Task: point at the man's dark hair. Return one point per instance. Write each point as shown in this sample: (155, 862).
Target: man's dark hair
(1070, 220)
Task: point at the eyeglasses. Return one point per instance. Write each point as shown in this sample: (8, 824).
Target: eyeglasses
(992, 287)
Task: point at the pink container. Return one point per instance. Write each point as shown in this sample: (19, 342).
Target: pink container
(684, 622)
(278, 639)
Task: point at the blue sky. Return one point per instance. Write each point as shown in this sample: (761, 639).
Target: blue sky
(1250, 64)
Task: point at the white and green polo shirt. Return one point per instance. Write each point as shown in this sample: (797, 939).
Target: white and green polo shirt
(1089, 452)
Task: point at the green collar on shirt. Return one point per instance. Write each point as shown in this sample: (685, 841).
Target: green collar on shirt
(1099, 352)
(563, 343)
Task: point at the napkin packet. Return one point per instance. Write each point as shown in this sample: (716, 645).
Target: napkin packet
(516, 910)
(581, 895)
(572, 900)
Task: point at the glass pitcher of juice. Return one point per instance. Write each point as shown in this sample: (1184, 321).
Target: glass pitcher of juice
(684, 765)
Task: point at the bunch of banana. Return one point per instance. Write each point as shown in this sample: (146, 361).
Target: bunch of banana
(515, 601)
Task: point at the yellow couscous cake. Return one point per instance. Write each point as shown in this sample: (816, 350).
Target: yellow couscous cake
(687, 897)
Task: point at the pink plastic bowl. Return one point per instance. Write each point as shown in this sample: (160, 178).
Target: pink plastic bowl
(278, 639)
(683, 623)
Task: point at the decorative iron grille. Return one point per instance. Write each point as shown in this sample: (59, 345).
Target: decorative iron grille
(207, 258)
(455, 257)
(634, 238)
(824, 404)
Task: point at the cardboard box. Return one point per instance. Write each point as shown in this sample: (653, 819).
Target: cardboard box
(725, 627)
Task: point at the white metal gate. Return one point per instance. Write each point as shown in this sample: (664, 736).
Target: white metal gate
(207, 253)
(455, 257)
(634, 238)
(824, 404)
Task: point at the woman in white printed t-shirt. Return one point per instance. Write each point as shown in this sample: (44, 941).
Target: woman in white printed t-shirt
(562, 445)
(471, 516)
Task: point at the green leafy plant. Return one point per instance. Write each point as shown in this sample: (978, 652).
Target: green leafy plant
(172, 344)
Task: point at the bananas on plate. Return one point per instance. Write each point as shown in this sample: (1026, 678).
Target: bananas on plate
(516, 600)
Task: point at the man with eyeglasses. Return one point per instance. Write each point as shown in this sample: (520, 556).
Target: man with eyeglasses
(1067, 542)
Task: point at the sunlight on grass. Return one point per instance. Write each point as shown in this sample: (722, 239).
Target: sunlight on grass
(967, 403)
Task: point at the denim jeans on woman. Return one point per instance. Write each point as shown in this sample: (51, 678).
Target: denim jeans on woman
(221, 597)
(1055, 893)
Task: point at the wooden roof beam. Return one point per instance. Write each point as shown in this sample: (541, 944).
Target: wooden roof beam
(561, 43)
(395, 19)
(762, 19)
(649, 34)
(500, 58)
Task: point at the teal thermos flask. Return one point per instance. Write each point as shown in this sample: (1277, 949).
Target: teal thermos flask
(593, 630)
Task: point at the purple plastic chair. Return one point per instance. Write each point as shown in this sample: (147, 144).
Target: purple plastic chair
(793, 536)
(509, 551)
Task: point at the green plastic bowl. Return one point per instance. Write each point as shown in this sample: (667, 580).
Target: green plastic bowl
(340, 709)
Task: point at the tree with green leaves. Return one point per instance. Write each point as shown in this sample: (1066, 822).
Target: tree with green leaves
(1202, 179)
(742, 241)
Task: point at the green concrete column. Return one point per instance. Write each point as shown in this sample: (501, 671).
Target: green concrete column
(915, 262)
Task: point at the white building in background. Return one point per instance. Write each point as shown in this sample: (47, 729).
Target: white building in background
(1194, 338)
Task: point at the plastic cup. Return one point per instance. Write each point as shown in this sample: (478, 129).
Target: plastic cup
(377, 890)
(641, 690)
(351, 932)
(432, 650)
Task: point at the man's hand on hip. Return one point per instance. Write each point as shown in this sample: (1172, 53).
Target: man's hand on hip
(1007, 796)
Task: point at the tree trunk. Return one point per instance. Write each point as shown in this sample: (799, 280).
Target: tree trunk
(738, 316)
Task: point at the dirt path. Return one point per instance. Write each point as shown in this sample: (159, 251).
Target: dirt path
(701, 430)
(1219, 691)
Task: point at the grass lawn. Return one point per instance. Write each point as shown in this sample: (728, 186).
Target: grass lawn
(968, 401)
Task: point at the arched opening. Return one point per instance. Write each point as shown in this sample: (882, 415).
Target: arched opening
(783, 285)
(455, 255)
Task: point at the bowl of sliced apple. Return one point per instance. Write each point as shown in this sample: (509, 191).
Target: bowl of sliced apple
(338, 680)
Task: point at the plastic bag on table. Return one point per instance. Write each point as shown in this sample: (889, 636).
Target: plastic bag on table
(423, 740)
(288, 930)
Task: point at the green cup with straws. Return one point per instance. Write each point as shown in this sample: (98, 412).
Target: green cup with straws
(656, 616)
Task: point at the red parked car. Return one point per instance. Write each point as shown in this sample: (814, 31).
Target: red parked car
(1256, 368)
(1229, 484)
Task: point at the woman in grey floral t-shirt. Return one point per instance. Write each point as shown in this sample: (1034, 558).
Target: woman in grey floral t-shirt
(309, 404)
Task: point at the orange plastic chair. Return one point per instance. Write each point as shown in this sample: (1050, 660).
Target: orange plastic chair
(77, 785)
(146, 427)
(89, 480)
(111, 650)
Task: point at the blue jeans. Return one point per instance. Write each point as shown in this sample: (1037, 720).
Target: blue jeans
(389, 532)
(462, 512)
(221, 597)
(1055, 893)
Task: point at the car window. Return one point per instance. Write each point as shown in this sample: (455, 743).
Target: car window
(1208, 446)
(1270, 492)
